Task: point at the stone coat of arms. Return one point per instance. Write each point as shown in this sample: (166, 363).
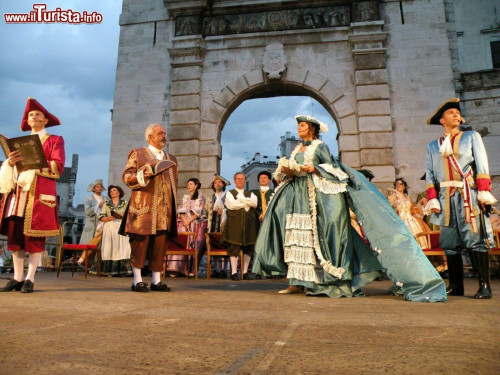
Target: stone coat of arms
(274, 60)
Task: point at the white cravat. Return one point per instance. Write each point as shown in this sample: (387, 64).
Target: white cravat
(445, 149)
(159, 154)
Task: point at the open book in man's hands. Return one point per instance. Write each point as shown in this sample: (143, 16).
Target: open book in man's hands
(30, 148)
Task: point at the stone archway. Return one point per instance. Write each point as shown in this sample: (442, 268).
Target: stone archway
(208, 71)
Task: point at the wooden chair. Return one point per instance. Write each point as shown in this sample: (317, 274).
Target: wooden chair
(495, 248)
(434, 249)
(495, 251)
(180, 246)
(433, 240)
(215, 248)
(75, 248)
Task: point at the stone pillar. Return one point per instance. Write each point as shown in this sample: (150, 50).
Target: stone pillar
(185, 105)
(372, 100)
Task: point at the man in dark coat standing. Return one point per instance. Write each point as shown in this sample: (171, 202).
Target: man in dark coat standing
(240, 232)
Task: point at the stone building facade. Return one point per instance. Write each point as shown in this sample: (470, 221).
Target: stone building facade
(379, 68)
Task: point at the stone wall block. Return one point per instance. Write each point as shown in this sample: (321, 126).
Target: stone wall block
(377, 156)
(186, 87)
(210, 148)
(238, 85)
(348, 143)
(349, 125)
(208, 131)
(375, 140)
(213, 113)
(372, 92)
(188, 116)
(343, 107)
(208, 164)
(374, 107)
(374, 124)
(184, 147)
(296, 75)
(331, 92)
(314, 80)
(352, 159)
(188, 163)
(369, 61)
(224, 97)
(184, 102)
(179, 132)
(255, 77)
(385, 173)
(370, 77)
(186, 73)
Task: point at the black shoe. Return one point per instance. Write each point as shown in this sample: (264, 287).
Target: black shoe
(455, 290)
(140, 287)
(246, 276)
(13, 285)
(27, 286)
(234, 277)
(160, 287)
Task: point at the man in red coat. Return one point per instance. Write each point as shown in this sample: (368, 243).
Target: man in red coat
(29, 204)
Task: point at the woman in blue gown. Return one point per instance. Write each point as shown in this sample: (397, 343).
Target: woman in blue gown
(306, 233)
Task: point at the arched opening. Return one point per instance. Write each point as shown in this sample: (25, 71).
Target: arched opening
(261, 130)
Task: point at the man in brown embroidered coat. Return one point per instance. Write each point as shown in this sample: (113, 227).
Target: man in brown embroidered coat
(151, 173)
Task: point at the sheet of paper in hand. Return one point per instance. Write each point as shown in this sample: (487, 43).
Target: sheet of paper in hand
(30, 148)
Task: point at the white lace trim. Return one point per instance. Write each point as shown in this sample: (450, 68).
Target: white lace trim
(328, 187)
(337, 172)
(303, 238)
(289, 164)
(6, 178)
(298, 221)
(299, 255)
(305, 273)
(486, 197)
(326, 264)
(432, 203)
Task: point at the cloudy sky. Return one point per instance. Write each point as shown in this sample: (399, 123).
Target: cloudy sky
(70, 69)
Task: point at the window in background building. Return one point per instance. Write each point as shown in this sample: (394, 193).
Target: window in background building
(495, 54)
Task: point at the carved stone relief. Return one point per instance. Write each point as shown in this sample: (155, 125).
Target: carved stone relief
(274, 60)
(278, 20)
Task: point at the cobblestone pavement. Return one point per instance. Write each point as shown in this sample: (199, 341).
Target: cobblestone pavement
(98, 326)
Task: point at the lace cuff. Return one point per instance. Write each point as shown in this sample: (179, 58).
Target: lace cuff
(484, 196)
(432, 203)
(289, 164)
(337, 172)
(6, 177)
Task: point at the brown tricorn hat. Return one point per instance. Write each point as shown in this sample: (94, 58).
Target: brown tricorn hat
(438, 113)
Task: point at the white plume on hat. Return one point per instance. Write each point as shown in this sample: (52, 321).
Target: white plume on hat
(323, 128)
